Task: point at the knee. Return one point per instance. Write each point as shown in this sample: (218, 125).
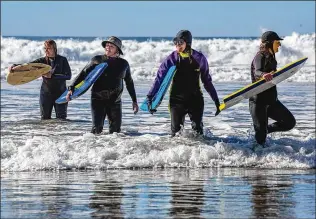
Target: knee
(291, 124)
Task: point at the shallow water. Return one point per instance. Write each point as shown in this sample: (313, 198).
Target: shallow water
(30, 144)
(57, 169)
(184, 177)
(159, 193)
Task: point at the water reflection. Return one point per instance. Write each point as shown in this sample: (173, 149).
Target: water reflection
(55, 199)
(106, 199)
(205, 193)
(272, 196)
(187, 197)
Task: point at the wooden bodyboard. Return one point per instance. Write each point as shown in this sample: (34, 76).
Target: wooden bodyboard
(27, 72)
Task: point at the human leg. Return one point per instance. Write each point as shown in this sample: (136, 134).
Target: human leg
(284, 118)
(260, 120)
(196, 109)
(177, 113)
(46, 105)
(98, 115)
(114, 112)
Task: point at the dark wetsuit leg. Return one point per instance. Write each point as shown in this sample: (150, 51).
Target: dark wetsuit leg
(284, 118)
(114, 113)
(195, 111)
(46, 105)
(61, 110)
(98, 115)
(260, 120)
(177, 113)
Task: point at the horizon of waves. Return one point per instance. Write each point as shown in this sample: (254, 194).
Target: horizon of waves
(229, 59)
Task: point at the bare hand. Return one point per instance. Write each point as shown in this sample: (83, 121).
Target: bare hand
(268, 76)
(135, 107)
(47, 75)
(68, 95)
(150, 109)
(11, 68)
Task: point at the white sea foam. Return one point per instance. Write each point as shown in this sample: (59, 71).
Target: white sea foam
(229, 59)
(29, 144)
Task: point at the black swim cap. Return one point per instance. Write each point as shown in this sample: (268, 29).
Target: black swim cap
(184, 35)
(270, 36)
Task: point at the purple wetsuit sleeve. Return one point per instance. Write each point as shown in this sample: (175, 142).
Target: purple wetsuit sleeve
(170, 61)
(206, 77)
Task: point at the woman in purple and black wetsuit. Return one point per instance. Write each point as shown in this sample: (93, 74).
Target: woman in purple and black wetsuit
(186, 96)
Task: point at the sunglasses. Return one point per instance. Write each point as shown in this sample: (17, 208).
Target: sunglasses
(178, 42)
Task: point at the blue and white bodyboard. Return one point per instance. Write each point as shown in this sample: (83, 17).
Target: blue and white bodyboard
(84, 85)
(157, 99)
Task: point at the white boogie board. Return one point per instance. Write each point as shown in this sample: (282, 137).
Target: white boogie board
(262, 85)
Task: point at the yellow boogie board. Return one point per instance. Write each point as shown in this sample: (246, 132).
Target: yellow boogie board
(27, 72)
(262, 85)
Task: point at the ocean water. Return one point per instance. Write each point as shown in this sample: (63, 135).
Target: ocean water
(229, 58)
(169, 193)
(57, 169)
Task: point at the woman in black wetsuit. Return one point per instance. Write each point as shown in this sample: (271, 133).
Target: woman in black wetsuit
(107, 90)
(266, 104)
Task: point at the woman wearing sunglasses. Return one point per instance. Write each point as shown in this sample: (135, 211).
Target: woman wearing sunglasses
(266, 104)
(186, 96)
